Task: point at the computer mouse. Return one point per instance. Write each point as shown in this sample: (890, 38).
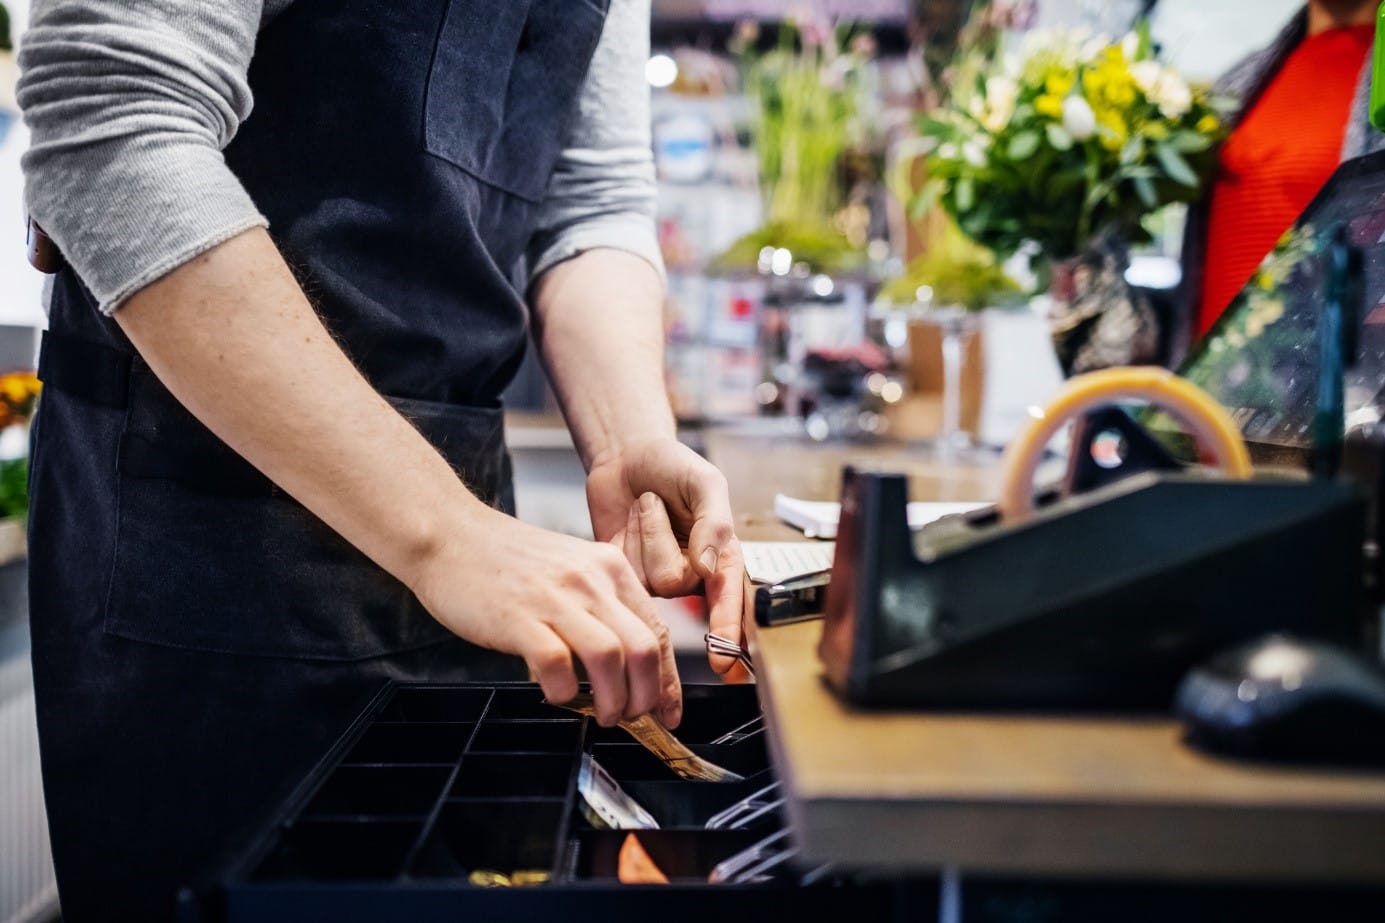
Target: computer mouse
(1287, 698)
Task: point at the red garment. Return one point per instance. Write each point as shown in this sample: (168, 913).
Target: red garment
(1278, 157)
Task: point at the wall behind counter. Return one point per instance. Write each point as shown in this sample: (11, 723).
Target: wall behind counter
(20, 284)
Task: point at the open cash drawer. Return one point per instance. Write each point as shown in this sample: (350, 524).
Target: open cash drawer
(433, 783)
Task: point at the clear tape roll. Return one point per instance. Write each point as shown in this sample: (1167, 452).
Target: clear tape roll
(1208, 422)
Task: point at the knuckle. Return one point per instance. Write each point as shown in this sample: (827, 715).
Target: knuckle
(611, 559)
(722, 532)
(644, 655)
(604, 656)
(549, 659)
(575, 578)
(665, 577)
(712, 480)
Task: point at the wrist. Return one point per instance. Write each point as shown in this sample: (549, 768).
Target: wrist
(614, 451)
(440, 540)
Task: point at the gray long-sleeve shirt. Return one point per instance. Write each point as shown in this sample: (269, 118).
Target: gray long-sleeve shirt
(131, 102)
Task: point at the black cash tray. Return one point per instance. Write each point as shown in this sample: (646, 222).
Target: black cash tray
(432, 782)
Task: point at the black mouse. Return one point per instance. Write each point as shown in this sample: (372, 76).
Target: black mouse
(1286, 698)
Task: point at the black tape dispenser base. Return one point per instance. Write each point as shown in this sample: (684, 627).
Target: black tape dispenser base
(1101, 596)
(1102, 600)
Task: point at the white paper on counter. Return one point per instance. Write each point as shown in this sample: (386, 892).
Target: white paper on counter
(818, 518)
(775, 562)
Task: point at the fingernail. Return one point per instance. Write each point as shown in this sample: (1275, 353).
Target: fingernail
(647, 501)
(709, 560)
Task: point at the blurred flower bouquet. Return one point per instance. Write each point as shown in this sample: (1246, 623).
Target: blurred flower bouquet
(805, 98)
(1068, 146)
(18, 394)
(1072, 137)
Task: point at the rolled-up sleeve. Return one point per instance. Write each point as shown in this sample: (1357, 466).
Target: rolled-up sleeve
(602, 193)
(130, 104)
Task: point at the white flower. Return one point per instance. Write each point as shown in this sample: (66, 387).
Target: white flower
(1147, 76)
(1078, 118)
(974, 154)
(948, 151)
(1001, 95)
(1130, 45)
(1163, 87)
(1173, 96)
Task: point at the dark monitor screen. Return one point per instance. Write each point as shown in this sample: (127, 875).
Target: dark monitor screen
(1260, 360)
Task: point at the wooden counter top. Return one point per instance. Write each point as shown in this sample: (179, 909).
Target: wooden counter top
(1081, 796)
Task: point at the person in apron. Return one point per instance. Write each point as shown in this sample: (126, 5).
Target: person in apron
(220, 581)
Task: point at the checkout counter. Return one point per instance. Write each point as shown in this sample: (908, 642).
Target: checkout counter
(870, 797)
(1094, 812)
(899, 814)
(1087, 798)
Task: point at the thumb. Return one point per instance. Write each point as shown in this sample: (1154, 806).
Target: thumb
(713, 532)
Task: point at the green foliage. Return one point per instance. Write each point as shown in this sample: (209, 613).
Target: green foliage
(14, 487)
(1070, 138)
(805, 121)
(821, 246)
(6, 39)
(959, 273)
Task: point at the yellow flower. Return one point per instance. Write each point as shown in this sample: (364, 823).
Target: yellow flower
(1113, 130)
(18, 387)
(1208, 124)
(1050, 105)
(1059, 83)
(1156, 131)
(1109, 80)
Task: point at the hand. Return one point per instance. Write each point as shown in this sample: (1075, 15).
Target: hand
(513, 587)
(669, 510)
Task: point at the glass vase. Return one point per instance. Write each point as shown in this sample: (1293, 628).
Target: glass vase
(956, 326)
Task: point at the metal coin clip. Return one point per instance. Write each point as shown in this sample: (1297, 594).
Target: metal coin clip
(716, 644)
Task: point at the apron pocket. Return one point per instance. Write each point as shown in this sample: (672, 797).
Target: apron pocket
(242, 570)
(503, 85)
(251, 575)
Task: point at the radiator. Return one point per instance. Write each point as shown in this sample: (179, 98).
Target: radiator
(28, 891)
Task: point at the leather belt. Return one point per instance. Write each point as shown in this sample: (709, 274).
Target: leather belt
(44, 254)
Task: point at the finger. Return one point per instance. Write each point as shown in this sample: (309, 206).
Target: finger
(737, 674)
(640, 646)
(664, 566)
(669, 699)
(597, 646)
(630, 544)
(713, 527)
(725, 603)
(550, 663)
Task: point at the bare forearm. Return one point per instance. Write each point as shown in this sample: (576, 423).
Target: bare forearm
(600, 331)
(600, 327)
(233, 338)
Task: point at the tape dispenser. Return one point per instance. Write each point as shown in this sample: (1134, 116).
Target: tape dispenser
(1100, 594)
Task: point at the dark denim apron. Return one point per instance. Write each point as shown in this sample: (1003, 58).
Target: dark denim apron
(199, 638)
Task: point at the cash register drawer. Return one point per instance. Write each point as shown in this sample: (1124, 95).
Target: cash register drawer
(432, 783)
